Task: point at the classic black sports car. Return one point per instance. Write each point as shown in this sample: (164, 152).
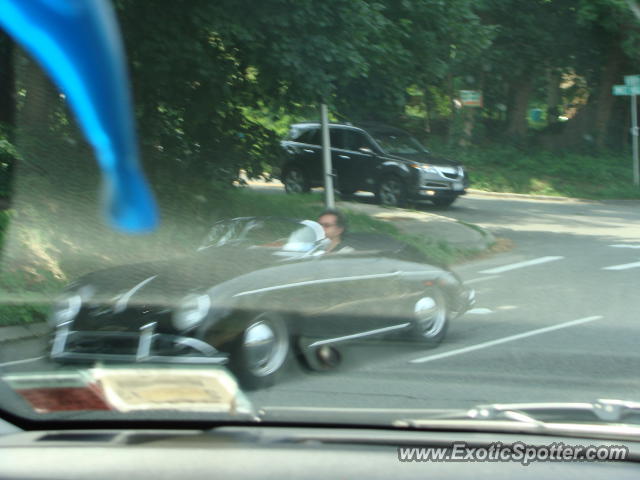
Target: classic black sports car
(258, 291)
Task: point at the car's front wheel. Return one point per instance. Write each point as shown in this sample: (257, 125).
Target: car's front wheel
(295, 181)
(392, 192)
(261, 351)
(430, 317)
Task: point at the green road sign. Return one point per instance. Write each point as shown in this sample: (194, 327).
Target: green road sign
(626, 90)
(632, 80)
(621, 90)
(471, 98)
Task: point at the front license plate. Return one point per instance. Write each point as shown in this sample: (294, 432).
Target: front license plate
(458, 186)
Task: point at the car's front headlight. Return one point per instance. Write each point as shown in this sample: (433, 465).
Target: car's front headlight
(191, 311)
(65, 309)
(424, 167)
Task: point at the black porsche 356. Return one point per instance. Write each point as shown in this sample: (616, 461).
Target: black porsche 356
(258, 292)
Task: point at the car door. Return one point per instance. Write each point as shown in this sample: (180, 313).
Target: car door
(307, 152)
(355, 161)
(348, 295)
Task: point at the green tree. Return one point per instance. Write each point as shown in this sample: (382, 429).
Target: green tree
(198, 65)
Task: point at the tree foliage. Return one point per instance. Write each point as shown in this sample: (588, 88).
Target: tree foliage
(216, 81)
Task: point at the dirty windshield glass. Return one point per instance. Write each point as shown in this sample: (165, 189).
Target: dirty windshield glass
(180, 237)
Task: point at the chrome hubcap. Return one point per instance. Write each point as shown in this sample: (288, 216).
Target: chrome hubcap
(431, 316)
(266, 348)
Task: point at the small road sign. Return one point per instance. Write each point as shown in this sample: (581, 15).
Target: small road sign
(471, 98)
(632, 80)
(626, 90)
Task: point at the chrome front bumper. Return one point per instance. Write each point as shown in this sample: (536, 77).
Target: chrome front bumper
(143, 346)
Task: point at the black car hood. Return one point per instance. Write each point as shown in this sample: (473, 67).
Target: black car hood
(429, 158)
(166, 282)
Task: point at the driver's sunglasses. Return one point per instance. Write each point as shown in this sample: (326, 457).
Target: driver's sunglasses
(327, 225)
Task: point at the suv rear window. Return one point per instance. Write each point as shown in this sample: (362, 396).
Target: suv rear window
(354, 140)
(304, 135)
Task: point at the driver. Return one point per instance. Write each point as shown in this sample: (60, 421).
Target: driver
(334, 224)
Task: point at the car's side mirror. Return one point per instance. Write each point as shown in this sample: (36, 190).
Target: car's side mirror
(366, 150)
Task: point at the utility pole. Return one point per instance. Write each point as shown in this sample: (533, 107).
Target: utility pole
(329, 200)
(631, 88)
(634, 139)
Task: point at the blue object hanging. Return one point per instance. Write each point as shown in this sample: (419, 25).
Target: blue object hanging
(78, 43)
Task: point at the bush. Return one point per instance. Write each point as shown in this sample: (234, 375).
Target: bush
(510, 169)
(27, 295)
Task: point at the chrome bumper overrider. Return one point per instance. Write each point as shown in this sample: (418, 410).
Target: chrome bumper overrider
(471, 297)
(143, 346)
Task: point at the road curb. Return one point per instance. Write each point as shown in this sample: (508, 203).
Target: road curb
(22, 332)
(526, 196)
(438, 227)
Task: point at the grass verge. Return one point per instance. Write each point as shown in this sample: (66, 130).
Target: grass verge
(512, 170)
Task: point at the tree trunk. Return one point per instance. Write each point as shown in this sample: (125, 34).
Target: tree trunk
(7, 82)
(604, 99)
(520, 92)
(452, 116)
(427, 104)
(554, 77)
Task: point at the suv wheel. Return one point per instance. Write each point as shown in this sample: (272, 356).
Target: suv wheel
(295, 181)
(392, 192)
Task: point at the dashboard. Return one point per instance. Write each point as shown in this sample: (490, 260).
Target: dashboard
(275, 453)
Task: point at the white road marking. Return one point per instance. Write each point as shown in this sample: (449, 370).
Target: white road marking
(528, 263)
(481, 279)
(479, 311)
(625, 245)
(510, 338)
(624, 266)
(506, 307)
(25, 360)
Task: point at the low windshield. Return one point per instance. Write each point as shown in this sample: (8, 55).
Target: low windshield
(277, 234)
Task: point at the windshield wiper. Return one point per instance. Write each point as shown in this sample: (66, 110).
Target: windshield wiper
(605, 418)
(602, 410)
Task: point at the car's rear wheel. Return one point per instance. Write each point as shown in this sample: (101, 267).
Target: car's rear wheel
(261, 350)
(392, 192)
(295, 181)
(443, 202)
(431, 317)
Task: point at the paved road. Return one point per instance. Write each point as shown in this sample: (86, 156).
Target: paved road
(556, 320)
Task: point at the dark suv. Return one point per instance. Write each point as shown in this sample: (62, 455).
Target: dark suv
(380, 159)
